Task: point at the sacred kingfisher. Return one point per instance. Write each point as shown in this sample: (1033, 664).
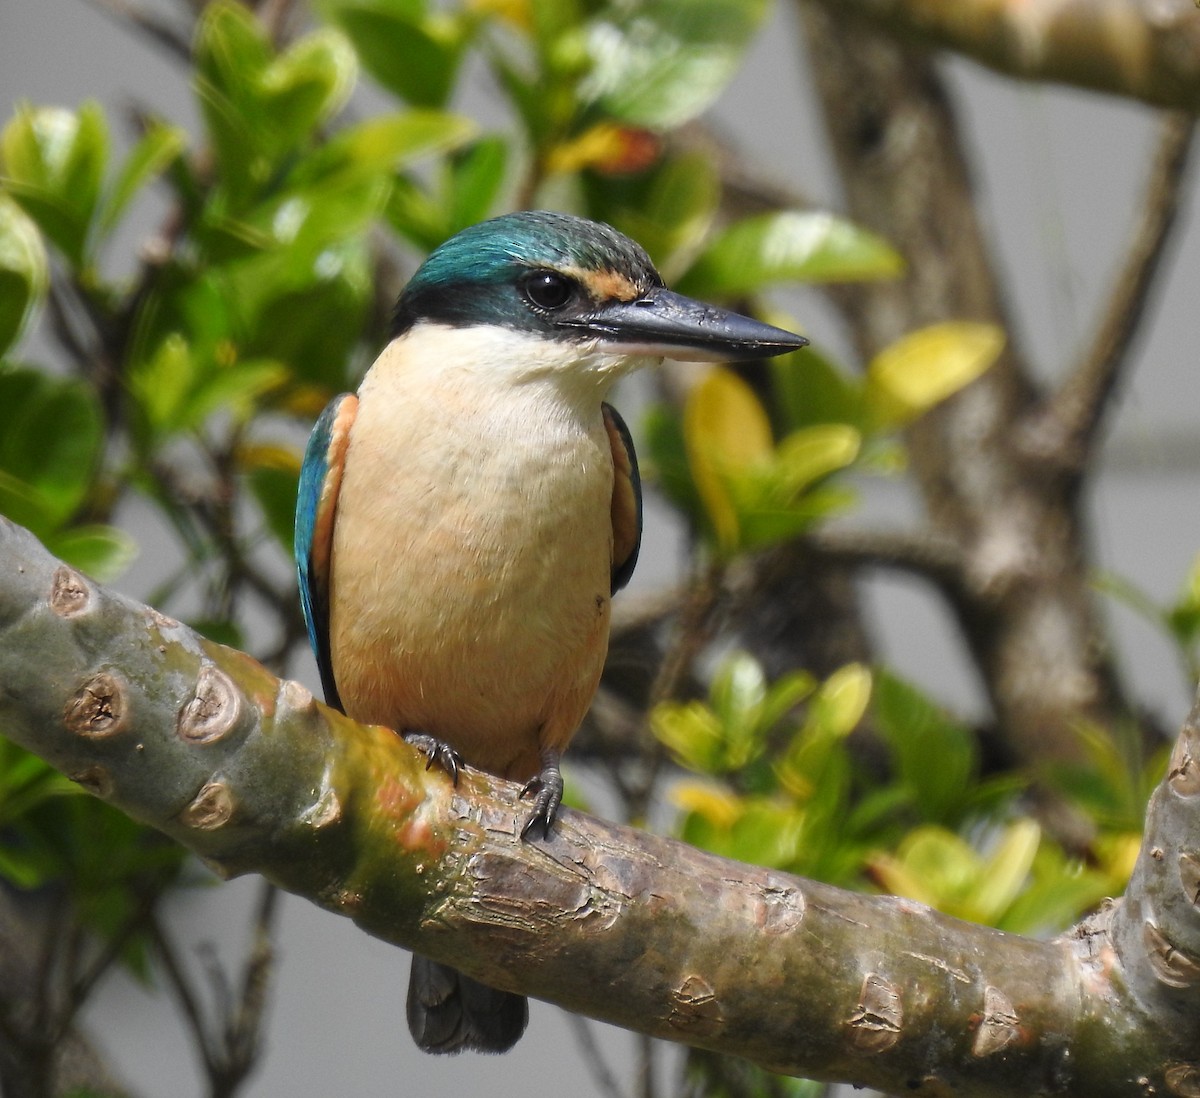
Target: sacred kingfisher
(464, 520)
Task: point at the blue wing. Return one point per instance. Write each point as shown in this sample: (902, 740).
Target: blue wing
(626, 499)
(316, 505)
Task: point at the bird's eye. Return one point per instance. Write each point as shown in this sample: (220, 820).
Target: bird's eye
(548, 289)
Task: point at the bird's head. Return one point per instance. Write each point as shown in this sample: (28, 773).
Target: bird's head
(581, 292)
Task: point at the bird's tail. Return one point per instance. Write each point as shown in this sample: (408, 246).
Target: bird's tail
(450, 1012)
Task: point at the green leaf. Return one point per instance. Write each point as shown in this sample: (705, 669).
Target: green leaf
(1183, 618)
(810, 389)
(160, 384)
(231, 54)
(917, 731)
(102, 552)
(660, 63)
(778, 498)
(314, 326)
(788, 247)
(235, 388)
(158, 147)
(386, 144)
(261, 109)
(668, 209)
(924, 367)
(50, 443)
(476, 177)
(23, 271)
(53, 164)
(412, 54)
(308, 84)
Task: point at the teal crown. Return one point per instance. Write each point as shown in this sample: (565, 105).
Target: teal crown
(475, 277)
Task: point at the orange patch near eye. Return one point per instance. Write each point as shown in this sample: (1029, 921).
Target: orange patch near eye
(606, 285)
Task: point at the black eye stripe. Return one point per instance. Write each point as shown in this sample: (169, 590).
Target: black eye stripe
(548, 289)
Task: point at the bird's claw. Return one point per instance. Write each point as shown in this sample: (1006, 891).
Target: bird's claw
(436, 752)
(547, 791)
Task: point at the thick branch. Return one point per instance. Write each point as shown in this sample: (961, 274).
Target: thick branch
(253, 775)
(1145, 49)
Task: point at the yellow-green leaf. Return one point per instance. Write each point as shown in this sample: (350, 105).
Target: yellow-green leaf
(924, 367)
(726, 432)
(23, 270)
(841, 700)
(715, 803)
(1006, 870)
(813, 452)
(53, 164)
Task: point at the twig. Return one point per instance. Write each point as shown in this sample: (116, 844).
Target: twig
(922, 552)
(275, 16)
(159, 31)
(81, 986)
(598, 1068)
(188, 1002)
(229, 1049)
(244, 1026)
(690, 636)
(1066, 429)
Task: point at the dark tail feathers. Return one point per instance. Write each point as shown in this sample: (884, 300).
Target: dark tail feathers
(450, 1012)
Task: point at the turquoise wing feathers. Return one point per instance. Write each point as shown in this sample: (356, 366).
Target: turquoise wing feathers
(316, 506)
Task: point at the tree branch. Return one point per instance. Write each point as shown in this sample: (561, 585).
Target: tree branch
(921, 552)
(641, 931)
(173, 40)
(1065, 430)
(1145, 49)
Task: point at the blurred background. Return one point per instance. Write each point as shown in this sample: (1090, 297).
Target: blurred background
(1060, 177)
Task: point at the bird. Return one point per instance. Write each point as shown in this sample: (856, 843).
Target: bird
(464, 520)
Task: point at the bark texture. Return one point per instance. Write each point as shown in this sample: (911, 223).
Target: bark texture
(255, 776)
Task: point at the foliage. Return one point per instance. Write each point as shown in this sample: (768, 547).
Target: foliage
(783, 781)
(264, 291)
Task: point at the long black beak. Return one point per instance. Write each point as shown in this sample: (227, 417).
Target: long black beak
(664, 323)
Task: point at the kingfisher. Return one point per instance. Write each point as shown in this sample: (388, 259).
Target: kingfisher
(464, 520)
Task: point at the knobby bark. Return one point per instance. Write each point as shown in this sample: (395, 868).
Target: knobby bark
(254, 775)
(1144, 49)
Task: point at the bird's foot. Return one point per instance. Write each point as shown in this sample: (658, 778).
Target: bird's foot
(546, 788)
(435, 751)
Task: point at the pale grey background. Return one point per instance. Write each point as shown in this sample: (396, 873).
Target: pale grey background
(1060, 172)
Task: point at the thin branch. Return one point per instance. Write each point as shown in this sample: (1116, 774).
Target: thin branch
(598, 1070)
(692, 631)
(162, 33)
(921, 552)
(243, 1028)
(1065, 430)
(188, 1002)
(82, 985)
